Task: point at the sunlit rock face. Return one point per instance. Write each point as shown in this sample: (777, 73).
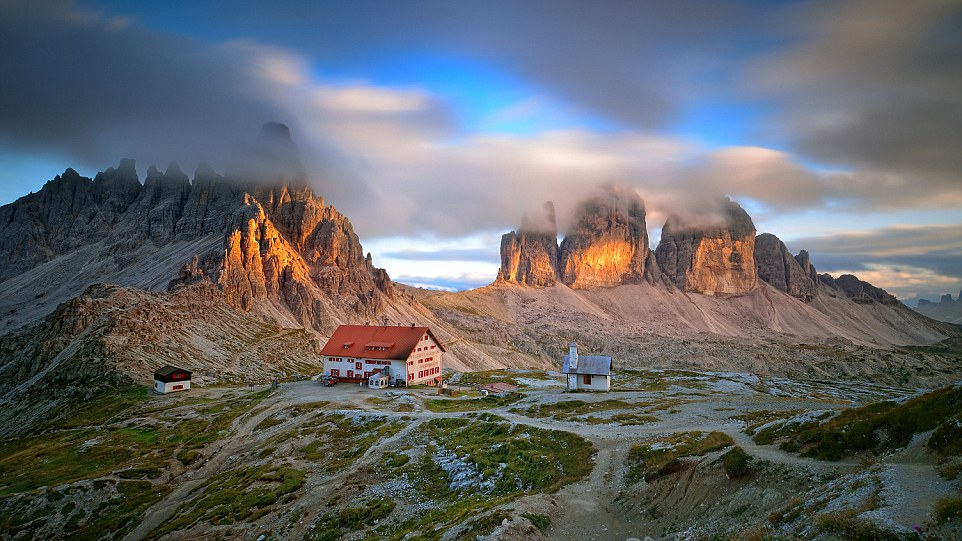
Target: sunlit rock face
(716, 259)
(529, 256)
(258, 237)
(608, 245)
(285, 245)
(779, 268)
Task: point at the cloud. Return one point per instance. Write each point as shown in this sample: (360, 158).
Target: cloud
(96, 90)
(458, 282)
(469, 254)
(909, 261)
(874, 87)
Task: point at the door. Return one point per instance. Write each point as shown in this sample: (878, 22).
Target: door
(586, 379)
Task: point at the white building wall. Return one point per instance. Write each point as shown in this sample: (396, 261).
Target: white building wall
(576, 382)
(418, 363)
(164, 388)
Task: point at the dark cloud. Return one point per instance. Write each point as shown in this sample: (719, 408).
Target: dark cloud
(912, 262)
(631, 62)
(97, 89)
(874, 87)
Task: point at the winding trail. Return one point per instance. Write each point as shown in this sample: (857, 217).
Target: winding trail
(589, 508)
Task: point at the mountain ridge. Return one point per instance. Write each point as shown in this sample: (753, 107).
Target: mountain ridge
(274, 255)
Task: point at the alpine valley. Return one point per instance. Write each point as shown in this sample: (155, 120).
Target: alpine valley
(242, 277)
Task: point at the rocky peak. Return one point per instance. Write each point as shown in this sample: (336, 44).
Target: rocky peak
(777, 267)
(273, 155)
(714, 259)
(273, 240)
(529, 256)
(608, 245)
(859, 291)
(115, 189)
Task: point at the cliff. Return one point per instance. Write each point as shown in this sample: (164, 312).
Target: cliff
(794, 275)
(275, 242)
(857, 290)
(608, 245)
(529, 256)
(713, 260)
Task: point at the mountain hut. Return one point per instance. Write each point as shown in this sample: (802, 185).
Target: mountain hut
(170, 378)
(586, 372)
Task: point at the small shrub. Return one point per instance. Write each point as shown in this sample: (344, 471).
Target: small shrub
(672, 467)
(947, 509)
(846, 525)
(541, 522)
(737, 463)
(188, 456)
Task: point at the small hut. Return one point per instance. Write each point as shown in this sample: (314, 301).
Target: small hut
(170, 378)
(379, 379)
(586, 372)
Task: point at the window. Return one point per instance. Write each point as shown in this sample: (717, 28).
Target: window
(178, 387)
(410, 377)
(367, 375)
(432, 347)
(335, 372)
(358, 365)
(586, 379)
(350, 373)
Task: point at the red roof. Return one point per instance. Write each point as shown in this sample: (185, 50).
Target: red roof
(392, 342)
(499, 387)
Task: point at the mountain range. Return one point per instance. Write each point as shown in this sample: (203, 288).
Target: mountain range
(244, 275)
(946, 309)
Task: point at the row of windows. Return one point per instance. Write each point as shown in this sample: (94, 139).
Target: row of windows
(426, 348)
(349, 360)
(428, 372)
(350, 373)
(421, 361)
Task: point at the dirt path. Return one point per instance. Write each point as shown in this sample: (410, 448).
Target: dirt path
(586, 506)
(586, 509)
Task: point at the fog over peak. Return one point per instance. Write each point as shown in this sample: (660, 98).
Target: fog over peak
(854, 106)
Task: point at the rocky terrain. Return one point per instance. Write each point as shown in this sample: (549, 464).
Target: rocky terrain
(263, 251)
(667, 455)
(241, 277)
(946, 309)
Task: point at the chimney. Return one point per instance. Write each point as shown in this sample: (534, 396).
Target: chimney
(573, 356)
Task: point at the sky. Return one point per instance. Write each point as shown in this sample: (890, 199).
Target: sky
(436, 125)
